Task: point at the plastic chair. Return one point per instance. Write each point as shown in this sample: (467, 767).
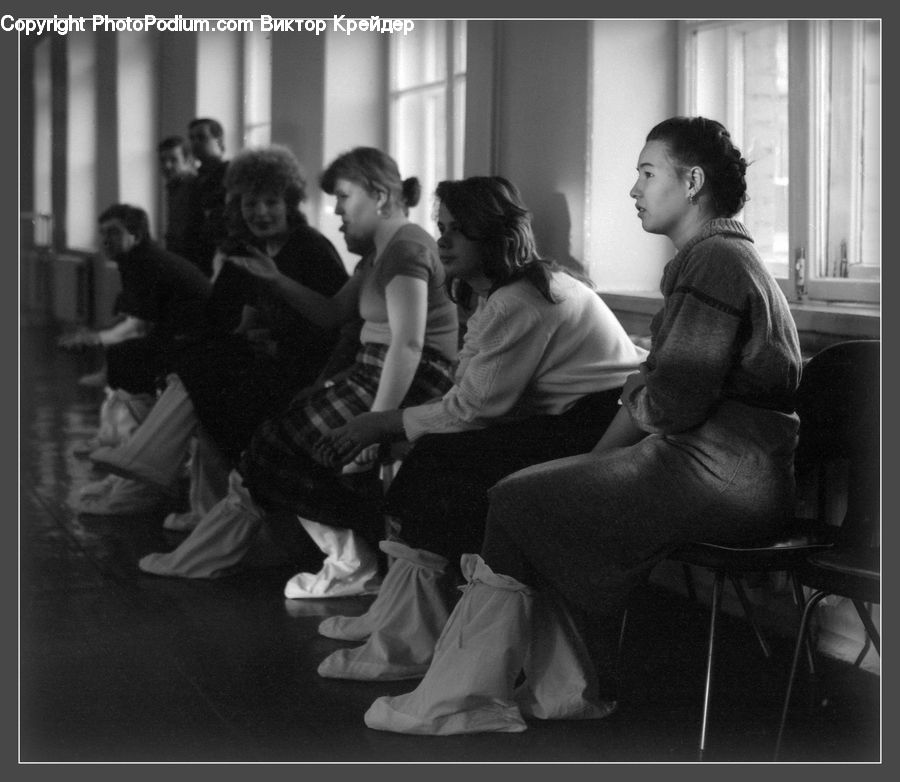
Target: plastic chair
(846, 430)
(825, 406)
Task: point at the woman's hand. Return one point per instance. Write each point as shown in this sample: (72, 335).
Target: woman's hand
(82, 338)
(257, 263)
(357, 440)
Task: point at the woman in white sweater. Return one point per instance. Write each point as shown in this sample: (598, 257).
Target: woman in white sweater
(539, 378)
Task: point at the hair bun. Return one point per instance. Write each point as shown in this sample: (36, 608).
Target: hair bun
(412, 191)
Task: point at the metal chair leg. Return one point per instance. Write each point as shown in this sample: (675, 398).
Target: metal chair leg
(800, 601)
(710, 657)
(801, 639)
(863, 610)
(748, 612)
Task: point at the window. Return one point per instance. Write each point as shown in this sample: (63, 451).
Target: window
(81, 146)
(257, 50)
(427, 106)
(802, 100)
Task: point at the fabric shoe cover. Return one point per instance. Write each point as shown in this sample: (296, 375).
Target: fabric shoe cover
(218, 543)
(350, 567)
(121, 497)
(208, 484)
(120, 415)
(419, 574)
(156, 452)
(405, 620)
(560, 681)
(469, 686)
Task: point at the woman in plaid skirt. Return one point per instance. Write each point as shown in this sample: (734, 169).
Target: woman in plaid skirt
(409, 341)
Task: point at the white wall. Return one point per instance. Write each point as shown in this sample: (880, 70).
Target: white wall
(541, 114)
(634, 75)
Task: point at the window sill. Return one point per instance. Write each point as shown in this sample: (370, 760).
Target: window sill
(841, 320)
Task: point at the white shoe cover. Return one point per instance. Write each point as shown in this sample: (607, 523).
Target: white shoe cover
(218, 543)
(421, 570)
(350, 566)
(404, 622)
(208, 484)
(560, 680)
(116, 496)
(469, 686)
(156, 451)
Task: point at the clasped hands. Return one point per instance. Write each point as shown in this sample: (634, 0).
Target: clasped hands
(356, 441)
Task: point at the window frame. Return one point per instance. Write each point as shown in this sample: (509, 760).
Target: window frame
(807, 161)
(452, 83)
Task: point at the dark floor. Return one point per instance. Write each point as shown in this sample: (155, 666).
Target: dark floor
(117, 665)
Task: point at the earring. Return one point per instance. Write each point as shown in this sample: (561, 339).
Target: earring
(693, 199)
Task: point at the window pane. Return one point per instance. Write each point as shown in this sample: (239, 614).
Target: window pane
(257, 89)
(419, 143)
(742, 81)
(420, 58)
(851, 179)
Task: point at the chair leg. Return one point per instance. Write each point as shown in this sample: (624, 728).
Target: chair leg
(801, 640)
(710, 657)
(863, 610)
(748, 612)
(689, 582)
(799, 601)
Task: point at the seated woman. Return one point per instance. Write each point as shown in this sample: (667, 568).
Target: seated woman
(701, 448)
(229, 382)
(539, 378)
(409, 346)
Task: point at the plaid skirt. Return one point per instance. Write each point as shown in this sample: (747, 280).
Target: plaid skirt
(278, 467)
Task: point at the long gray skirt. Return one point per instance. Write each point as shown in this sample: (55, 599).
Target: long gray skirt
(592, 525)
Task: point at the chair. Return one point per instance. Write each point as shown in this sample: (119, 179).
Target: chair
(847, 430)
(819, 403)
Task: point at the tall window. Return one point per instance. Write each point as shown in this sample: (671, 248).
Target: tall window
(81, 158)
(803, 101)
(427, 106)
(257, 51)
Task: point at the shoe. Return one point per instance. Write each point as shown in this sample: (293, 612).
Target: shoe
(120, 497)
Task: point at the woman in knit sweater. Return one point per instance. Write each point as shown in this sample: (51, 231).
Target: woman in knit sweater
(539, 378)
(701, 448)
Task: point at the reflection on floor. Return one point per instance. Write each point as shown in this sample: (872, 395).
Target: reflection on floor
(117, 665)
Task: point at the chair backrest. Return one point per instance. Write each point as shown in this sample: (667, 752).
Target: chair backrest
(839, 401)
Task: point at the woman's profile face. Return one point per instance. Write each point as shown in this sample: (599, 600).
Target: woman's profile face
(265, 214)
(358, 210)
(462, 257)
(661, 190)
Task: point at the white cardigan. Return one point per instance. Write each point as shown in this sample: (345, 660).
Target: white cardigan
(524, 356)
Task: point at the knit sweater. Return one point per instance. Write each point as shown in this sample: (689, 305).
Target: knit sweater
(725, 331)
(525, 356)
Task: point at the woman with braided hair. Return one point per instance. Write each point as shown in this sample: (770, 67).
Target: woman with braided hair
(702, 447)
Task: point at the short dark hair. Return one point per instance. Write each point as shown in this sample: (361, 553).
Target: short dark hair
(698, 141)
(215, 127)
(132, 217)
(174, 142)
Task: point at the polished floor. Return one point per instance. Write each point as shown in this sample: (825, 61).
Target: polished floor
(116, 665)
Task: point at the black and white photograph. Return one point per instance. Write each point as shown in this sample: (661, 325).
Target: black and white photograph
(403, 390)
